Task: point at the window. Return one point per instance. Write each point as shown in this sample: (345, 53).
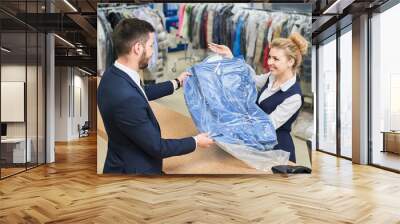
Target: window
(346, 93)
(22, 77)
(385, 89)
(327, 96)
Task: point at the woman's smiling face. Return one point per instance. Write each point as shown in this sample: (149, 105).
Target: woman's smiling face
(278, 61)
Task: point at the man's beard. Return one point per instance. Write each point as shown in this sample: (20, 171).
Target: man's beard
(143, 62)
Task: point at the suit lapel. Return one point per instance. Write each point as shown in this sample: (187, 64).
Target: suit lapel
(127, 78)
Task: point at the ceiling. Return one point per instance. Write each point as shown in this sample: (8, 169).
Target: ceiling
(76, 20)
(76, 25)
(330, 15)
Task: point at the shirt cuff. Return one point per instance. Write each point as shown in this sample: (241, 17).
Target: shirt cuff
(174, 84)
(195, 140)
(273, 121)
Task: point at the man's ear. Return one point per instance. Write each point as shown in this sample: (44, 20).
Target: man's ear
(137, 48)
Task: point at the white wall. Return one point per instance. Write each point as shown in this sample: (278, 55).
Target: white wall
(14, 72)
(71, 93)
(80, 100)
(33, 126)
(61, 103)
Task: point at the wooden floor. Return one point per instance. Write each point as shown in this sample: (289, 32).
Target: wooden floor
(387, 159)
(5, 172)
(70, 191)
(10, 171)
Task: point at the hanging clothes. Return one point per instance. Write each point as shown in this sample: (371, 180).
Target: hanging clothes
(265, 61)
(203, 29)
(210, 21)
(243, 39)
(245, 31)
(109, 17)
(106, 47)
(225, 17)
(101, 49)
(236, 45)
(114, 18)
(259, 42)
(185, 22)
(252, 27)
(181, 13)
(266, 47)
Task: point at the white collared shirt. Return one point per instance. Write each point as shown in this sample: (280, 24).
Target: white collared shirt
(284, 111)
(132, 74)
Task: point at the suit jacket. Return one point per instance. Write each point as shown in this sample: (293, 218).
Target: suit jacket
(135, 145)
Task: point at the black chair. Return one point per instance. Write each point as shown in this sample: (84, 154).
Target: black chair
(84, 130)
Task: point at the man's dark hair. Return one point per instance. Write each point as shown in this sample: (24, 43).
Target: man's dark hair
(129, 31)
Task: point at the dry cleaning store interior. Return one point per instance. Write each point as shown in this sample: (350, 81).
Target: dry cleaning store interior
(49, 70)
(187, 29)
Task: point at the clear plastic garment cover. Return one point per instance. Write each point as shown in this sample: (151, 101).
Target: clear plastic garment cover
(221, 97)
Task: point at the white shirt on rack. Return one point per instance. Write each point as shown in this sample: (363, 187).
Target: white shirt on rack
(288, 107)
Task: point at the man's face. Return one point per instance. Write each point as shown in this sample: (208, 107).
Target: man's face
(147, 52)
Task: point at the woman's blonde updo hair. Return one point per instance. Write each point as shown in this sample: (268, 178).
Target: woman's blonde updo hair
(295, 47)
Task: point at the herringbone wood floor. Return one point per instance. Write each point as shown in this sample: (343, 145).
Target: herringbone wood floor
(70, 191)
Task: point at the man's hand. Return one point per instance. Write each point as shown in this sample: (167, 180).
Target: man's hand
(221, 49)
(203, 140)
(183, 76)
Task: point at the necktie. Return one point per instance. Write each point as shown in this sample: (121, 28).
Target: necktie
(141, 84)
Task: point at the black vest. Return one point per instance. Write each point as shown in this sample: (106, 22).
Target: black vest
(269, 104)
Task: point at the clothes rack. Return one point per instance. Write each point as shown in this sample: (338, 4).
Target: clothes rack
(247, 31)
(273, 10)
(110, 14)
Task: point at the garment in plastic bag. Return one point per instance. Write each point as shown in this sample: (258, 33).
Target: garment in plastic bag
(221, 97)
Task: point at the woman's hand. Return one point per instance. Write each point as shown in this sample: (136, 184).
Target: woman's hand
(221, 49)
(182, 77)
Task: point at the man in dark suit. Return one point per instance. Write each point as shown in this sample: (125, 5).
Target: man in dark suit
(135, 145)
